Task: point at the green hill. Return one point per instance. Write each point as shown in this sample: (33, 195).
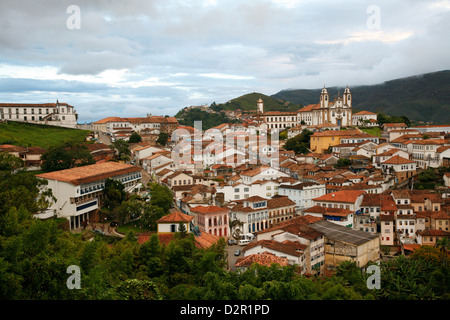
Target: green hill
(422, 98)
(248, 102)
(209, 120)
(34, 135)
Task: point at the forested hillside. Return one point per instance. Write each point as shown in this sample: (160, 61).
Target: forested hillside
(422, 98)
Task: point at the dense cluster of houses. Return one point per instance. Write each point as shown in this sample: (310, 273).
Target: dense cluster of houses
(369, 204)
(304, 209)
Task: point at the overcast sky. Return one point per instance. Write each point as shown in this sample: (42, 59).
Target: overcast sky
(130, 58)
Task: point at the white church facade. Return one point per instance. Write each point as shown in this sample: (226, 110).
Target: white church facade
(337, 112)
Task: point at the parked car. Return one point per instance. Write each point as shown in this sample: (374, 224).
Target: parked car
(113, 224)
(244, 242)
(237, 252)
(232, 242)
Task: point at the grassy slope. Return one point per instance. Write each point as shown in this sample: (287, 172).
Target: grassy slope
(33, 135)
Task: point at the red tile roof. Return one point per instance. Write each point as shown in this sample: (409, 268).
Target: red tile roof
(348, 196)
(398, 160)
(329, 211)
(90, 173)
(175, 216)
(208, 209)
(265, 259)
(293, 248)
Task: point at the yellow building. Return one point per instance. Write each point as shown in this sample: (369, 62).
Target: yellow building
(321, 141)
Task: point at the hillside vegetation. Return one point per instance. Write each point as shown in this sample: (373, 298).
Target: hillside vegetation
(248, 102)
(422, 98)
(209, 120)
(34, 135)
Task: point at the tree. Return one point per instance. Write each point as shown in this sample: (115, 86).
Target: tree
(135, 138)
(9, 163)
(161, 196)
(66, 156)
(122, 148)
(128, 210)
(182, 230)
(162, 138)
(114, 193)
(343, 162)
(300, 143)
(150, 214)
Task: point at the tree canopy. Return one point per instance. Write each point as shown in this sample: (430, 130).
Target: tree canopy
(66, 156)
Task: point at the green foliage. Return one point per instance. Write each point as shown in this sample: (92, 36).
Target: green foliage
(114, 193)
(8, 162)
(422, 98)
(135, 138)
(343, 162)
(162, 138)
(248, 102)
(208, 120)
(66, 156)
(300, 143)
(35, 254)
(122, 150)
(382, 119)
(161, 197)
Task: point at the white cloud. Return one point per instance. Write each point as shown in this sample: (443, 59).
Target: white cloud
(165, 54)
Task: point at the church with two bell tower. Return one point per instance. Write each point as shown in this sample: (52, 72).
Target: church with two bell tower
(337, 112)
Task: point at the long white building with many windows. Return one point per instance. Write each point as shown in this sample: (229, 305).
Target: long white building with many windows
(79, 191)
(56, 114)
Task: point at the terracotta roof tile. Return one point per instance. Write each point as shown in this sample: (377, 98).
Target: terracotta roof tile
(175, 216)
(348, 196)
(90, 173)
(265, 259)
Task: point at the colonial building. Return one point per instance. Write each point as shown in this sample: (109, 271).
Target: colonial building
(257, 213)
(365, 119)
(79, 191)
(212, 219)
(338, 111)
(56, 114)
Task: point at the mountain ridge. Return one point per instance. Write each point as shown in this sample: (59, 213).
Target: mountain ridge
(423, 97)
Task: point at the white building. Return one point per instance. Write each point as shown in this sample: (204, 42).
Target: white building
(430, 152)
(299, 230)
(257, 213)
(348, 199)
(338, 111)
(261, 173)
(294, 251)
(241, 191)
(56, 114)
(364, 119)
(303, 193)
(79, 191)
